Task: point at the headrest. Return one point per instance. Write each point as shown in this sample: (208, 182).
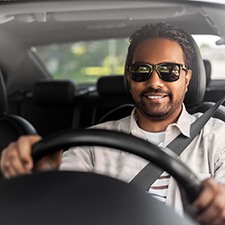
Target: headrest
(54, 93)
(111, 85)
(197, 86)
(208, 70)
(3, 95)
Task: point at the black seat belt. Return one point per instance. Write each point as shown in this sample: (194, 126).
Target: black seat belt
(150, 173)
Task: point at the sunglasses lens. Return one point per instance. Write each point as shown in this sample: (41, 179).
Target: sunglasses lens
(169, 72)
(140, 73)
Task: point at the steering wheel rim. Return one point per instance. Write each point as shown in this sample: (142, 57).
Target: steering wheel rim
(72, 197)
(161, 157)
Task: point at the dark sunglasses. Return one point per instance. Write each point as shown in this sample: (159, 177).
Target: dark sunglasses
(168, 72)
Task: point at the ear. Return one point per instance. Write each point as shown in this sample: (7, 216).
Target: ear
(188, 78)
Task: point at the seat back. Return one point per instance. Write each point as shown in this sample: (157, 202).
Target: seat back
(201, 71)
(197, 86)
(117, 113)
(208, 71)
(11, 126)
(110, 94)
(51, 106)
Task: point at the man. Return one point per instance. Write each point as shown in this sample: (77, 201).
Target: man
(158, 74)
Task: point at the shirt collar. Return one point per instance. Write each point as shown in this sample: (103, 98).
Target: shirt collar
(182, 125)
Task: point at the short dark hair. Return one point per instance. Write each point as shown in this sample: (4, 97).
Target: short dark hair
(161, 30)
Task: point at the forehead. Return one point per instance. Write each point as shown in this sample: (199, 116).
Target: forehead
(158, 50)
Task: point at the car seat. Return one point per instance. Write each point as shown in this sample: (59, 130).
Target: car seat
(111, 88)
(194, 99)
(208, 71)
(51, 106)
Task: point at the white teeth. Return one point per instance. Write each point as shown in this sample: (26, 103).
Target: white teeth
(155, 97)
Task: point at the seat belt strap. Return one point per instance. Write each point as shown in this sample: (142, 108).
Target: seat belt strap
(150, 173)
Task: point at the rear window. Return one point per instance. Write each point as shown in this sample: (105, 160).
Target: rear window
(84, 62)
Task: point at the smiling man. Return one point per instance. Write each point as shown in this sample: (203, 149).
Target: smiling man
(158, 72)
(159, 94)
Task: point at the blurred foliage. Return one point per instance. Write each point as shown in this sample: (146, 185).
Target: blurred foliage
(84, 62)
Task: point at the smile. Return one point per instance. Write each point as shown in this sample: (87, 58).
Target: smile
(155, 97)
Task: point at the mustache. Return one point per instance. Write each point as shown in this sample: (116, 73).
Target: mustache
(151, 90)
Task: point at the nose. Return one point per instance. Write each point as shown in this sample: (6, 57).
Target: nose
(155, 81)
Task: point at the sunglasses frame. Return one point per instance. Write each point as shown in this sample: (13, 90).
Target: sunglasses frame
(155, 67)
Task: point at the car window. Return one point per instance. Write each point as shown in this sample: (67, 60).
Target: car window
(85, 61)
(213, 49)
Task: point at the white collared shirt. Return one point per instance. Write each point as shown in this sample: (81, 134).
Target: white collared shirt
(205, 155)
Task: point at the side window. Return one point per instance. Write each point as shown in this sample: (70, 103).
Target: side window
(84, 62)
(213, 50)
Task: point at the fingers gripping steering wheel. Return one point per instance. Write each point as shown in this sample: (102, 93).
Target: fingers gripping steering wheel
(163, 158)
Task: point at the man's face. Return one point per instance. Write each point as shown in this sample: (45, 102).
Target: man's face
(157, 99)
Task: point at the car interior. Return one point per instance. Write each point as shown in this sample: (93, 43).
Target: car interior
(88, 103)
(57, 104)
(33, 101)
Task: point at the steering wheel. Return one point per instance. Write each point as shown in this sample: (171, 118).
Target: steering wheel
(66, 197)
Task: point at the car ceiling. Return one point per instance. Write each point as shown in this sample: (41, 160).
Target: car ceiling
(39, 24)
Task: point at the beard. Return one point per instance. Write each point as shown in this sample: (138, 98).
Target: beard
(157, 111)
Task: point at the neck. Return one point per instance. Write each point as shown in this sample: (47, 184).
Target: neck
(156, 125)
